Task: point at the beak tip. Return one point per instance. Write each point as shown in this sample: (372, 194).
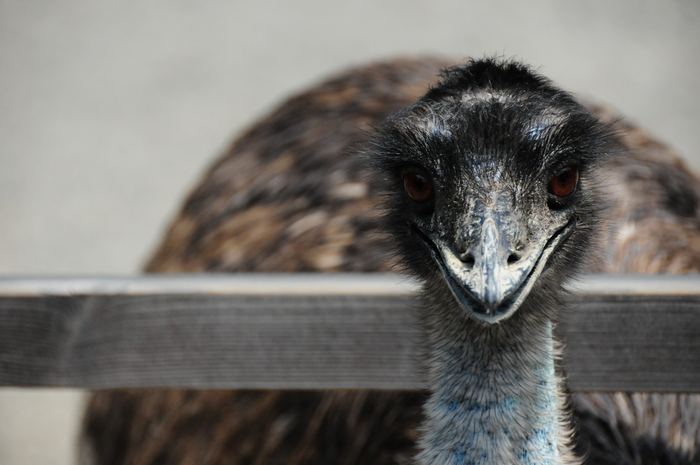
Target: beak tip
(491, 301)
(488, 309)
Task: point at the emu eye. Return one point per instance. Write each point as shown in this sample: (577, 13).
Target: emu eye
(418, 187)
(564, 183)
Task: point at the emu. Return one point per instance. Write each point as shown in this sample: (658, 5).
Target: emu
(496, 212)
(490, 194)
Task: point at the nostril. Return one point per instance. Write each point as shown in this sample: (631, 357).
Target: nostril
(512, 258)
(467, 259)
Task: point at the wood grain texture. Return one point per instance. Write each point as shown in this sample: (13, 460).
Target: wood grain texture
(626, 333)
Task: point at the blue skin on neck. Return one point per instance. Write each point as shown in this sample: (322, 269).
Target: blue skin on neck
(487, 405)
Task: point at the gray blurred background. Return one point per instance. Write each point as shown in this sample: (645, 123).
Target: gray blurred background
(110, 110)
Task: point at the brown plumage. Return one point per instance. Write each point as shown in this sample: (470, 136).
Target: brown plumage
(290, 196)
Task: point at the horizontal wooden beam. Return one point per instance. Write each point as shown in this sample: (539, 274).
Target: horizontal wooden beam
(634, 333)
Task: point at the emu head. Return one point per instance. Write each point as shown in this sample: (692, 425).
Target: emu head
(490, 186)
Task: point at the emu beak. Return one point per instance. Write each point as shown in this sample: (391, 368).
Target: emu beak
(489, 281)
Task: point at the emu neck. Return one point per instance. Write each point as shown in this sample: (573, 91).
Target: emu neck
(495, 397)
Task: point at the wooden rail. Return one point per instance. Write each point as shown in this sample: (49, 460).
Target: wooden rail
(638, 333)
